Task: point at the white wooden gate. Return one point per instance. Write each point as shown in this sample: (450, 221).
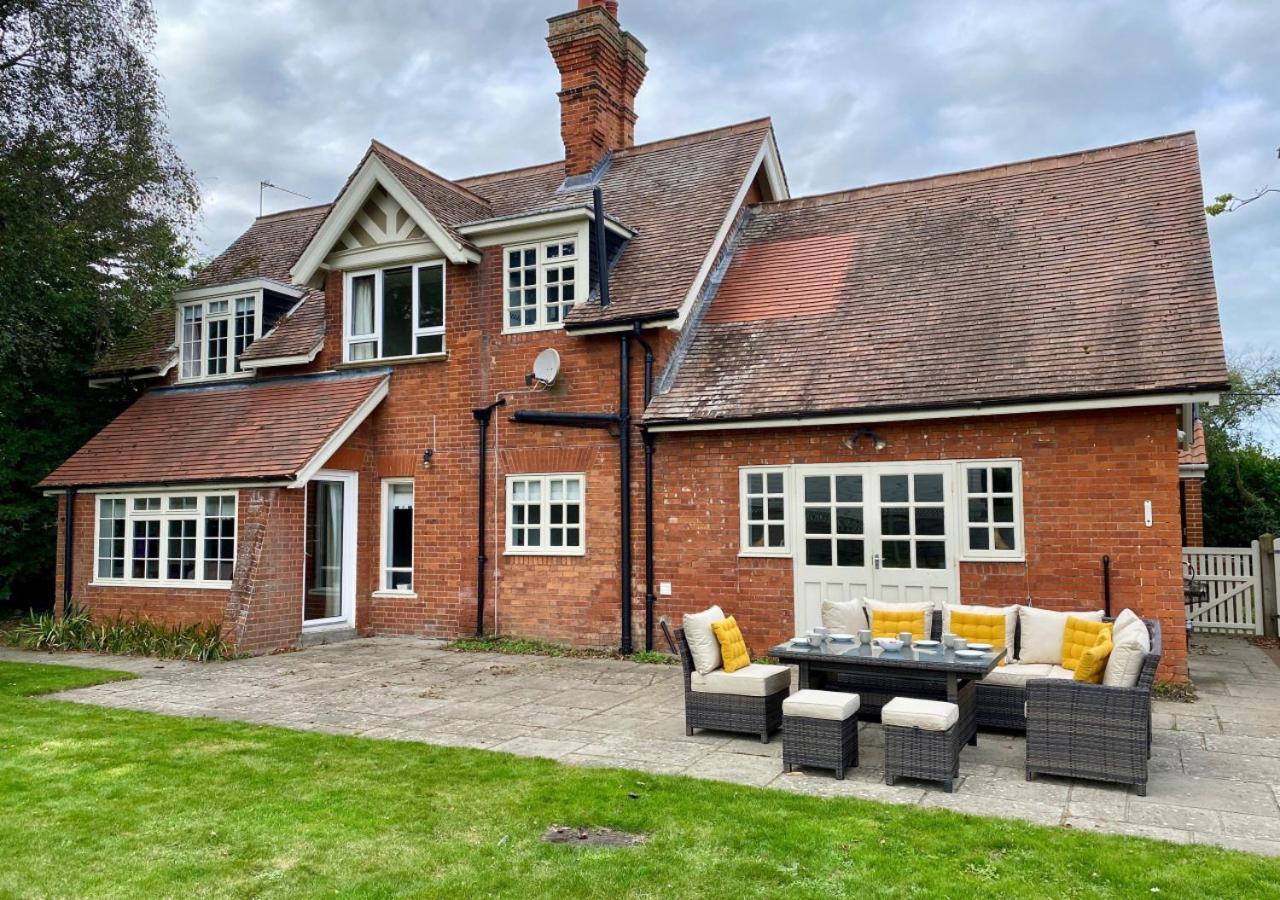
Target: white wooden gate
(1234, 577)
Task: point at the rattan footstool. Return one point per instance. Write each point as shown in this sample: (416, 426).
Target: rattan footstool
(921, 740)
(820, 729)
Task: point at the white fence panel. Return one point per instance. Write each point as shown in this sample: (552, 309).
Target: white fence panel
(1234, 577)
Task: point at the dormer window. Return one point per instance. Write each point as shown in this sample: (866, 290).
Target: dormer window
(395, 312)
(213, 333)
(542, 281)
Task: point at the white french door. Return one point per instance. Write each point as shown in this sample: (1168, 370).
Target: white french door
(885, 531)
(329, 578)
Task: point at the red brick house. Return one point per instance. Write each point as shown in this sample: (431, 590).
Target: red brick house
(970, 387)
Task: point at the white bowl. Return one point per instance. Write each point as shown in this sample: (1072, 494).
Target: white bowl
(889, 643)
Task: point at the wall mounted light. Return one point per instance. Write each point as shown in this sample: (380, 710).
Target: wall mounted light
(426, 457)
(877, 441)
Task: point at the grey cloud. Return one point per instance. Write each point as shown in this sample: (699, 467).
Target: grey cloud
(860, 92)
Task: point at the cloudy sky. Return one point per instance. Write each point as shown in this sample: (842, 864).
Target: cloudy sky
(860, 92)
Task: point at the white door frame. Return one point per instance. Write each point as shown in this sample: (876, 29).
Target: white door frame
(350, 506)
(870, 473)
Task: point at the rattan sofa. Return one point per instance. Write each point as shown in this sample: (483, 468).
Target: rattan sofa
(725, 712)
(1092, 731)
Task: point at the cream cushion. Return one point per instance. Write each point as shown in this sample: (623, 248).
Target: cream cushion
(704, 646)
(928, 715)
(1127, 619)
(756, 680)
(811, 704)
(1042, 632)
(1017, 674)
(1129, 651)
(1010, 614)
(843, 616)
(1062, 672)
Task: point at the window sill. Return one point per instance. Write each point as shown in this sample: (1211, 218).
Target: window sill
(398, 595)
(534, 329)
(394, 361)
(550, 554)
(964, 558)
(166, 585)
(776, 553)
(216, 379)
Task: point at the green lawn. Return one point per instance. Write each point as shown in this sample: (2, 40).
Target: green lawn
(104, 802)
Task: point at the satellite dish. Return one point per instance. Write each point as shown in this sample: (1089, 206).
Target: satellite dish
(547, 366)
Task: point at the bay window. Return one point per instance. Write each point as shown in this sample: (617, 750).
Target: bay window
(395, 312)
(168, 539)
(212, 334)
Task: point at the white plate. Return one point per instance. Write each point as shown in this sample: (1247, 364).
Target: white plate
(842, 638)
(927, 645)
(979, 646)
(799, 642)
(969, 654)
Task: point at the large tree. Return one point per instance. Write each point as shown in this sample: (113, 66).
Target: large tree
(95, 211)
(1242, 486)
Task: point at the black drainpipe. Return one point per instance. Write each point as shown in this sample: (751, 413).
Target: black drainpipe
(1106, 585)
(68, 556)
(624, 475)
(647, 437)
(483, 417)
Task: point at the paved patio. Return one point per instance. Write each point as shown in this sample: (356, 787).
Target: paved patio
(1215, 771)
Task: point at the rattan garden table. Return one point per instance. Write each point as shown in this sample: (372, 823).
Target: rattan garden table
(880, 675)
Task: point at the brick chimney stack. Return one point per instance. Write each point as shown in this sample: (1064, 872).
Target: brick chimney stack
(601, 70)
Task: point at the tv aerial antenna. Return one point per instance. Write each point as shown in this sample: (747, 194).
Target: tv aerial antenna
(263, 185)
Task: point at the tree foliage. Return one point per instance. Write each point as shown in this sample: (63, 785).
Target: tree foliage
(1242, 486)
(95, 209)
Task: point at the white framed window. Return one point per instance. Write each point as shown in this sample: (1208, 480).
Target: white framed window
(173, 540)
(762, 493)
(213, 333)
(992, 510)
(543, 281)
(546, 515)
(397, 535)
(394, 312)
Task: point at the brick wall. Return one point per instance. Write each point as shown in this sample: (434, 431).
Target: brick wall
(1085, 477)
(1193, 506)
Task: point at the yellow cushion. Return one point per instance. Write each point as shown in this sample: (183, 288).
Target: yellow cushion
(733, 649)
(1079, 636)
(891, 624)
(982, 628)
(1093, 661)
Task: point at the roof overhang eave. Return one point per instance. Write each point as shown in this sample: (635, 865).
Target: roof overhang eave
(969, 409)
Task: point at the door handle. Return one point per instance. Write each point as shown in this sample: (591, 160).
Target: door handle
(875, 560)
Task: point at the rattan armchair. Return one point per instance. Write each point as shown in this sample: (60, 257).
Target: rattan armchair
(725, 712)
(1092, 731)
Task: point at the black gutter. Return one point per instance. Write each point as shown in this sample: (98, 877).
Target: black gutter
(620, 323)
(483, 417)
(647, 437)
(68, 556)
(994, 407)
(565, 419)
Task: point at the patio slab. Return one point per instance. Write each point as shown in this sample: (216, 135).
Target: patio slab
(1215, 767)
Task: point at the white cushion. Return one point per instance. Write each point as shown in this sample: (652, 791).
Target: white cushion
(755, 680)
(910, 712)
(1010, 614)
(843, 616)
(1127, 619)
(1017, 674)
(1061, 672)
(1129, 651)
(1042, 631)
(704, 646)
(812, 704)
